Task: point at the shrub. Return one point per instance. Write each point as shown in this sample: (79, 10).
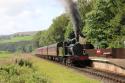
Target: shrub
(21, 73)
(22, 62)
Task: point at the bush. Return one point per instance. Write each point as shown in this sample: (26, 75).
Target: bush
(22, 62)
(22, 72)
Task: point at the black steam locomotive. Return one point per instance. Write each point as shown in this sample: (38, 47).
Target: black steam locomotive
(65, 52)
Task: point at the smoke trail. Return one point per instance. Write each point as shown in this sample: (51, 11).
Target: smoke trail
(71, 7)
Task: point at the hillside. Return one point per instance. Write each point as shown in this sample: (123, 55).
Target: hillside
(29, 33)
(21, 41)
(18, 34)
(16, 39)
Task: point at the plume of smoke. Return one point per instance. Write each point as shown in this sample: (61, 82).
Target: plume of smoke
(71, 7)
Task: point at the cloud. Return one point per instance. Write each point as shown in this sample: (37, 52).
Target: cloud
(27, 15)
(12, 3)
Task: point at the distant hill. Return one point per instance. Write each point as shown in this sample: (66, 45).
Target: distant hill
(25, 33)
(18, 34)
(4, 37)
(16, 39)
(21, 41)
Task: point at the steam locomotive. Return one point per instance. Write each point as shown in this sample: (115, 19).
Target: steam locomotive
(65, 52)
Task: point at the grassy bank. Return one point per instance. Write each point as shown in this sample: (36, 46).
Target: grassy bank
(20, 71)
(31, 69)
(60, 74)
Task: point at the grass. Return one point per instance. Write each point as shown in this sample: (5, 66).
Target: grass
(60, 74)
(21, 73)
(4, 54)
(53, 73)
(6, 58)
(17, 39)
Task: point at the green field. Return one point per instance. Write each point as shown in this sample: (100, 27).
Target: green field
(4, 54)
(19, 71)
(17, 39)
(31, 69)
(60, 74)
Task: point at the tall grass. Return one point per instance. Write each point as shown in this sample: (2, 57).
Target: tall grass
(21, 72)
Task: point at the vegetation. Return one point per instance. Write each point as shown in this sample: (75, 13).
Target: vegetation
(60, 74)
(25, 68)
(21, 46)
(22, 72)
(104, 24)
(54, 34)
(16, 68)
(17, 44)
(5, 54)
(16, 39)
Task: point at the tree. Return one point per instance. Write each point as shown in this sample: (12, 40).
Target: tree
(84, 7)
(68, 30)
(57, 29)
(103, 24)
(54, 34)
(44, 38)
(36, 39)
(99, 25)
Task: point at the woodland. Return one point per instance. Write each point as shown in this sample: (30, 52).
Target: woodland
(103, 24)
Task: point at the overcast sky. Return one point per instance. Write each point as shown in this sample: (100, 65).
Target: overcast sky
(27, 15)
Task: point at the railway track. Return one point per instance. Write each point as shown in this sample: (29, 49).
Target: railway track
(104, 76)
